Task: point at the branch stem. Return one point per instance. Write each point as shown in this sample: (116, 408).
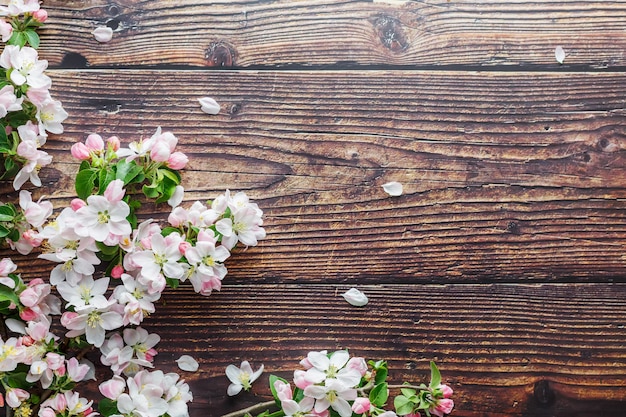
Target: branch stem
(251, 409)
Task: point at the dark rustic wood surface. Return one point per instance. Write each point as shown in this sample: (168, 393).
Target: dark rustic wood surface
(504, 259)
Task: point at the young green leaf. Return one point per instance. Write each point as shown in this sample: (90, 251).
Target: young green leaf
(379, 395)
(402, 405)
(435, 375)
(32, 38)
(85, 183)
(8, 294)
(107, 407)
(407, 392)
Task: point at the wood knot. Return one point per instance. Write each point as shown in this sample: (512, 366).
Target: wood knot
(234, 109)
(543, 393)
(220, 54)
(513, 227)
(391, 33)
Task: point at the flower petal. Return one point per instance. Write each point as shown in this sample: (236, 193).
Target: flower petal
(103, 34)
(209, 105)
(559, 54)
(355, 297)
(393, 188)
(187, 363)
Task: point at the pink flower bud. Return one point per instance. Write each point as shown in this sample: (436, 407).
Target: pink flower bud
(27, 341)
(80, 151)
(177, 217)
(300, 380)
(444, 406)
(29, 297)
(358, 364)
(40, 15)
(177, 160)
(117, 271)
(28, 314)
(113, 143)
(77, 203)
(113, 388)
(59, 402)
(47, 412)
(361, 405)
(150, 354)
(115, 191)
(68, 317)
(32, 238)
(94, 142)
(446, 390)
(15, 396)
(76, 371)
(283, 391)
(160, 152)
(7, 267)
(183, 246)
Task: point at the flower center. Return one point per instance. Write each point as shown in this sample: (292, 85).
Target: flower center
(103, 217)
(244, 378)
(332, 371)
(332, 396)
(94, 319)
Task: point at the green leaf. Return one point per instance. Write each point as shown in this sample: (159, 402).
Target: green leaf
(85, 183)
(379, 395)
(407, 392)
(273, 379)
(173, 283)
(18, 380)
(104, 178)
(107, 407)
(8, 294)
(128, 171)
(7, 213)
(381, 374)
(169, 230)
(4, 232)
(18, 38)
(107, 250)
(5, 145)
(150, 191)
(32, 38)
(174, 176)
(402, 405)
(435, 375)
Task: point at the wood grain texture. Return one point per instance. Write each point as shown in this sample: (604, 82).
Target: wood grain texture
(507, 176)
(245, 33)
(508, 350)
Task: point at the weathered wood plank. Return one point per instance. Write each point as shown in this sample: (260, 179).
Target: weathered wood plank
(507, 175)
(507, 350)
(245, 33)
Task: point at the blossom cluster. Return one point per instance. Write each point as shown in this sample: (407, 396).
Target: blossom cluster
(111, 269)
(337, 385)
(27, 110)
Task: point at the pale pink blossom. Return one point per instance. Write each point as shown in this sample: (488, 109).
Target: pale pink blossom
(51, 116)
(36, 213)
(15, 396)
(333, 368)
(35, 160)
(26, 66)
(8, 101)
(93, 323)
(80, 151)
(115, 191)
(7, 267)
(333, 394)
(299, 379)
(104, 219)
(94, 143)
(242, 377)
(359, 364)
(40, 15)
(443, 406)
(283, 390)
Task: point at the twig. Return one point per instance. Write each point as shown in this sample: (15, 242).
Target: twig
(251, 409)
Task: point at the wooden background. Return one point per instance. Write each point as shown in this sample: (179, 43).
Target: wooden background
(503, 260)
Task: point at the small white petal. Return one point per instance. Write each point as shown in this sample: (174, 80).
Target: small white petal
(559, 54)
(103, 34)
(355, 297)
(187, 363)
(393, 188)
(209, 105)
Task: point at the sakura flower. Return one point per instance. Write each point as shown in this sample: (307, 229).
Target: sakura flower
(50, 116)
(8, 101)
(92, 322)
(113, 388)
(206, 265)
(25, 65)
(35, 160)
(103, 34)
(334, 394)
(355, 297)
(104, 219)
(160, 261)
(209, 105)
(143, 398)
(11, 354)
(242, 377)
(244, 226)
(325, 368)
(7, 267)
(36, 213)
(15, 396)
(87, 293)
(187, 363)
(136, 298)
